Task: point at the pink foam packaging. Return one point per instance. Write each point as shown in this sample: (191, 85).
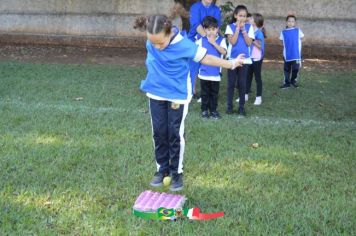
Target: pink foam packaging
(149, 201)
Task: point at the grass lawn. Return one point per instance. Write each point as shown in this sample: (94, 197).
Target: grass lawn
(76, 150)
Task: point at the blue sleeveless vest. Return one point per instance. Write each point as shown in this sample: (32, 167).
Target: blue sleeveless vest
(211, 50)
(240, 47)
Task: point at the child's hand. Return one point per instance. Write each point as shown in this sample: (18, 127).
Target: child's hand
(242, 26)
(239, 61)
(211, 39)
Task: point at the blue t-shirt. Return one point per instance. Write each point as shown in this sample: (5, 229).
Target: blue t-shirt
(168, 69)
(197, 13)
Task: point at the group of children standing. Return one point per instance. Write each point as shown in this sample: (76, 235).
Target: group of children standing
(244, 35)
(175, 59)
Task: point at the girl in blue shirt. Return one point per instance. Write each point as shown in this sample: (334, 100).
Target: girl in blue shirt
(168, 85)
(257, 53)
(240, 35)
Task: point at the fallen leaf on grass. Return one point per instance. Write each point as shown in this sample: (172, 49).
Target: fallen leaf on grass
(48, 203)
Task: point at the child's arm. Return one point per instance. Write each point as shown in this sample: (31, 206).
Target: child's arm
(228, 64)
(232, 38)
(257, 43)
(281, 38)
(301, 35)
(220, 49)
(201, 30)
(247, 38)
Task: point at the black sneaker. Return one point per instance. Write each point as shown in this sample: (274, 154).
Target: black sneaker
(241, 112)
(177, 182)
(229, 112)
(205, 114)
(157, 179)
(285, 86)
(295, 84)
(215, 115)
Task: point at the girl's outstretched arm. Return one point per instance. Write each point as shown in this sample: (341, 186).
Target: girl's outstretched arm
(228, 64)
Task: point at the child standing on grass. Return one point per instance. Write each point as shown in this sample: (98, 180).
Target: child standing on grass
(168, 85)
(292, 51)
(257, 53)
(198, 11)
(240, 35)
(210, 76)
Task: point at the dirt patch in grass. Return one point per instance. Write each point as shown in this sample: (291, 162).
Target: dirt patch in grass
(131, 57)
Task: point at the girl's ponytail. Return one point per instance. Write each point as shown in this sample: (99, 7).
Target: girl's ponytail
(153, 24)
(140, 23)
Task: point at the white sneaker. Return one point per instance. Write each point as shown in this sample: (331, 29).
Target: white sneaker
(199, 100)
(246, 98)
(258, 101)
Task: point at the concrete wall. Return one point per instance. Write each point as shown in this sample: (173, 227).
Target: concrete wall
(328, 22)
(109, 22)
(88, 22)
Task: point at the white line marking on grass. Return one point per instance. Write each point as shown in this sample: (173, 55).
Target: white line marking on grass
(255, 119)
(273, 120)
(63, 107)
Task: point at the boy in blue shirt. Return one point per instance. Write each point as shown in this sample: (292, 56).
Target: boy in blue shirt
(198, 11)
(210, 76)
(292, 51)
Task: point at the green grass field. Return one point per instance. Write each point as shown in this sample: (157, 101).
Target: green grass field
(76, 150)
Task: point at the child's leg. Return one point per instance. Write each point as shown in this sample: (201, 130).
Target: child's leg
(159, 120)
(204, 94)
(295, 70)
(214, 94)
(257, 67)
(242, 77)
(209, 94)
(287, 69)
(250, 72)
(231, 83)
(176, 117)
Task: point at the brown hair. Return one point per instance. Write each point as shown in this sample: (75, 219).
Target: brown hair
(291, 16)
(153, 24)
(258, 18)
(236, 11)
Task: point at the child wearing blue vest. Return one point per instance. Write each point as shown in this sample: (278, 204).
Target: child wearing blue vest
(257, 53)
(240, 35)
(198, 11)
(210, 76)
(168, 85)
(292, 51)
